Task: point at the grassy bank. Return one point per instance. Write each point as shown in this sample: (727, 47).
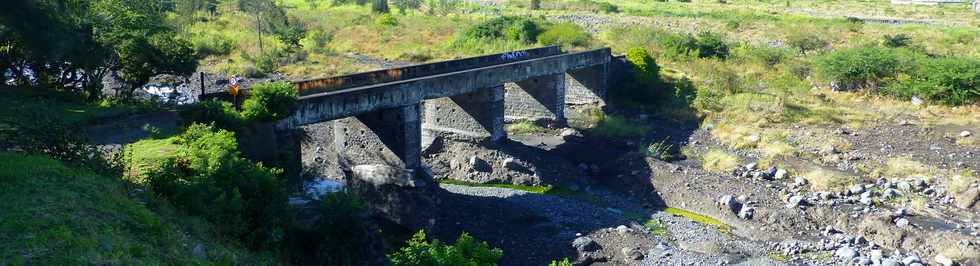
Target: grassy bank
(58, 215)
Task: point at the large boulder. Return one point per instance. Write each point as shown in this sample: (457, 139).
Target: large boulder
(379, 175)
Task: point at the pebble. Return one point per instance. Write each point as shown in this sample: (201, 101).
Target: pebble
(856, 189)
(965, 134)
(889, 262)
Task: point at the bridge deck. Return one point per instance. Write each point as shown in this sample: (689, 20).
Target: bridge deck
(334, 104)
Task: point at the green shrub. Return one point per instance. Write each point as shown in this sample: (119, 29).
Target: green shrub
(804, 42)
(896, 41)
(677, 45)
(858, 67)
(316, 41)
(564, 34)
(339, 237)
(953, 81)
(710, 44)
(269, 102)
(209, 178)
(508, 28)
(386, 19)
(768, 56)
(563, 262)
(466, 251)
(490, 29)
(646, 69)
(221, 114)
(523, 30)
(606, 7)
(205, 45)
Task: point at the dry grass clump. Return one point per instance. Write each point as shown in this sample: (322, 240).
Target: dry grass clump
(737, 136)
(961, 182)
(904, 167)
(828, 180)
(719, 161)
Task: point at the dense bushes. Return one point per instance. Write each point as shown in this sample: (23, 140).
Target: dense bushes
(949, 80)
(209, 178)
(466, 251)
(706, 44)
(564, 34)
(269, 102)
(858, 67)
(526, 31)
(710, 44)
(222, 114)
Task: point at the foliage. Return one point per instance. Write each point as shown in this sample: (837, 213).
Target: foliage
(645, 68)
(380, 6)
(209, 178)
(466, 251)
(386, 19)
(85, 218)
(710, 44)
(563, 262)
(564, 34)
(768, 56)
(270, 102)
(954, 81)
(897, 40)
(218, 113)
(677, 44)
(606, 7)
(858, 67)
(317, 40)
(91, 39)
(523, 30)
(525, 127)
(805, 42)
(339, 237)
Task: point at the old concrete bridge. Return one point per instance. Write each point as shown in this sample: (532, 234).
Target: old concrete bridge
(383, 116)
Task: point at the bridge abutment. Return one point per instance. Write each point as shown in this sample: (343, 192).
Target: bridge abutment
(537, 98)
(390, 136)
(588, 85)
(477, 115)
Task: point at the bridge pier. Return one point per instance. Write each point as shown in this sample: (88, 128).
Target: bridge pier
(390, 136)
(478, 115)
(537, 98)
(588, 85)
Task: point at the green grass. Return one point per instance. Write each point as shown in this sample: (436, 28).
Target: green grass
(525, 127)
(57, 215)
(699, 218)
(145, 155)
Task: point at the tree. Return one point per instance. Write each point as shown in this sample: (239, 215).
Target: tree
(380, 6)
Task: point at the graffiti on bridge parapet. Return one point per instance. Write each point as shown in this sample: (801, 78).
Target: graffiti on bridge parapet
(514, 55)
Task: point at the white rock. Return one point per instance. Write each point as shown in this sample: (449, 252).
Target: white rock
(846, 253)
(856, 189)
(902, 222)
(916, 101)
(795, 201)
(780, 174)
(750, 166)
(889, 262)
(966, 133)
(911, 259)
(943, 260)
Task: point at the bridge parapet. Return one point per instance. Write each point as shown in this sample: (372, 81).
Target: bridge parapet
(313, 86)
